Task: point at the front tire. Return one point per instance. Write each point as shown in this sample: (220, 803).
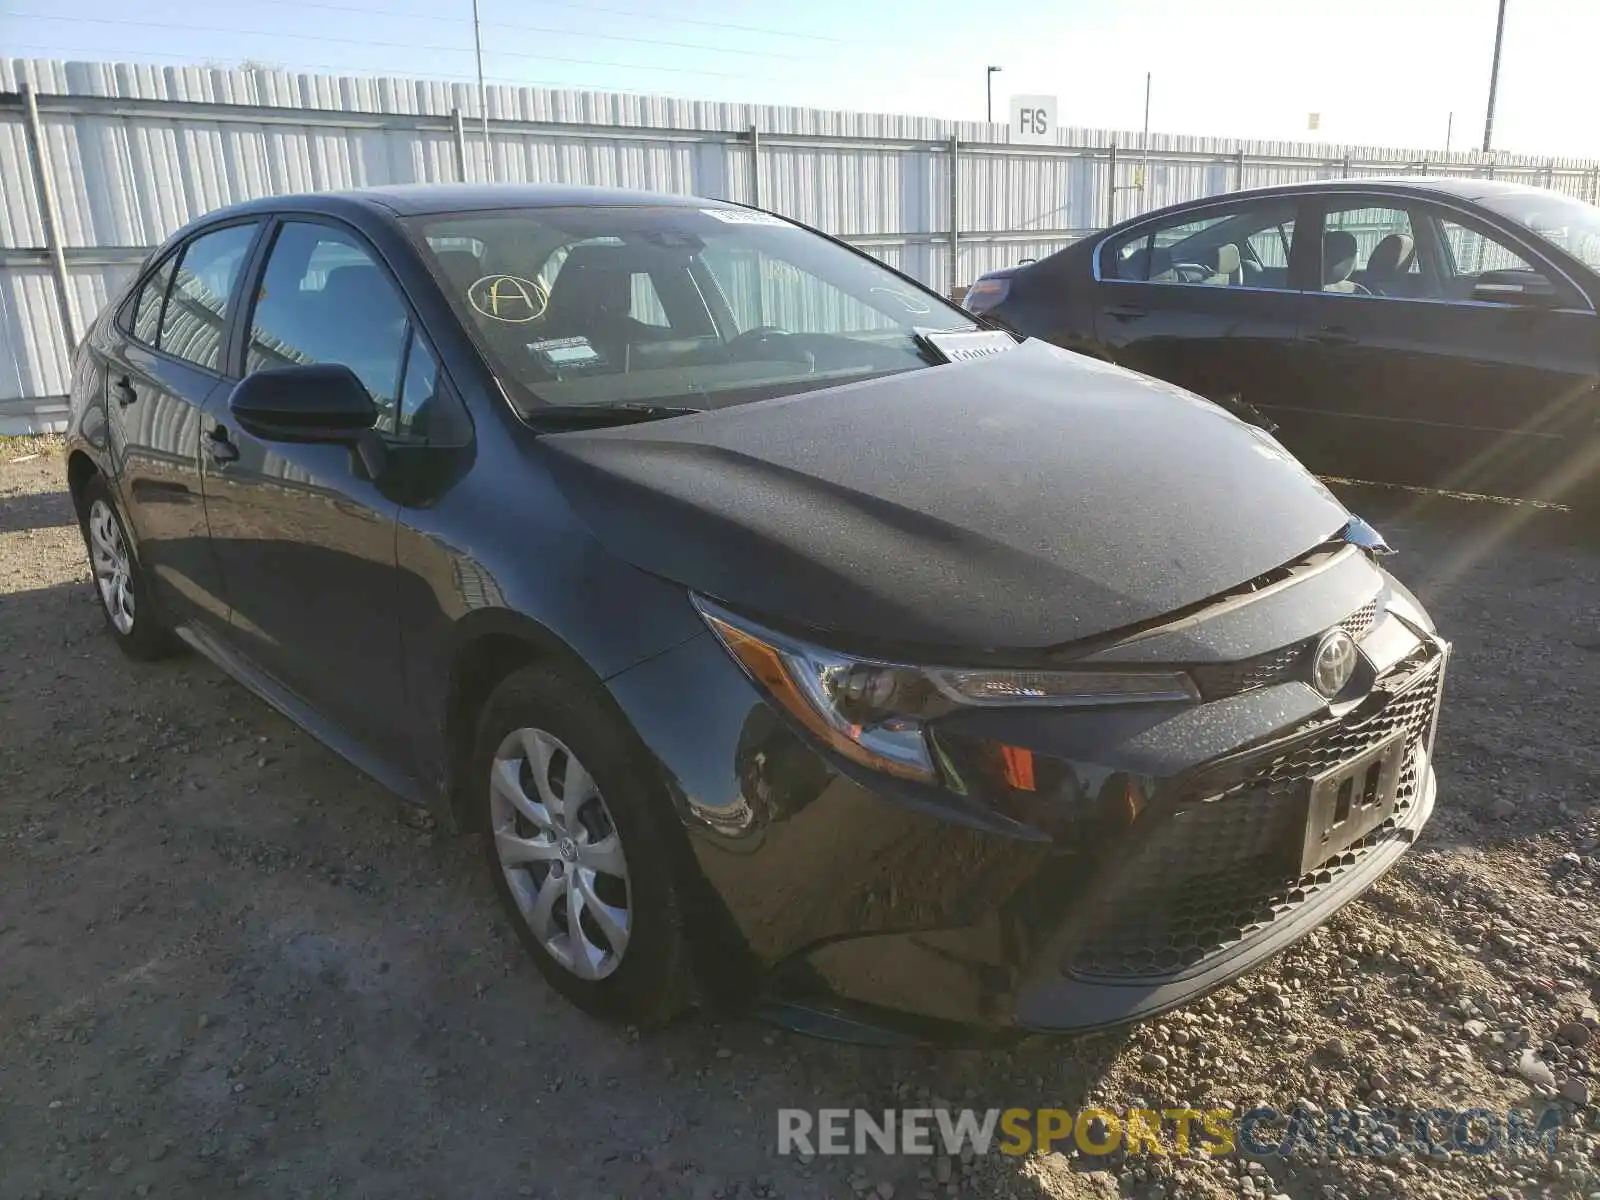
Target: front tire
(118, 581)
(575, 848)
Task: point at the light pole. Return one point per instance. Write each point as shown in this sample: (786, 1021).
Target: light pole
(988, 85)
(1494, 79)
(483, 94)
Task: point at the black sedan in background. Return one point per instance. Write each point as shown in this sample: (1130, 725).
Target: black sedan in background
(1432, 332)
(787, 637)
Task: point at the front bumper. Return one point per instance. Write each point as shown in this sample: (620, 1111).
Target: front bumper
(857, 907)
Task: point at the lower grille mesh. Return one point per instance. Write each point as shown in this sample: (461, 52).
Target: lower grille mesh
(1214, 873)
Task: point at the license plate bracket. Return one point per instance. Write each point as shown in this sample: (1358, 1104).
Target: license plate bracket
(1347, 802)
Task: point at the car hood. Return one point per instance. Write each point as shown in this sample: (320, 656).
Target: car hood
(1023, 500)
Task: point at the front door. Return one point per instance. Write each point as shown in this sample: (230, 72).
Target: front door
(166, 366)
(305, 539)
(1425, 378)
(1207, 301)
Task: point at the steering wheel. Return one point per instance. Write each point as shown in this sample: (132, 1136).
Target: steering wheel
(755, 335)
(1189, 272)
(757, 338)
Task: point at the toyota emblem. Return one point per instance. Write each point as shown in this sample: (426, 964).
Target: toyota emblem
(1333, 663)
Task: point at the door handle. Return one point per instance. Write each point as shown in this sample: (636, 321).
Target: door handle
(221, 447)
(1126, 312)
(1334, 335)
(124, 392)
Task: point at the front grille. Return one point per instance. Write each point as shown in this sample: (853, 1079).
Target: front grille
(1221, 869)
(1218, 681)
(1359, 623)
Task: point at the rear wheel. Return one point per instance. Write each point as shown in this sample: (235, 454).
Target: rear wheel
(575, 850)
(124, 600)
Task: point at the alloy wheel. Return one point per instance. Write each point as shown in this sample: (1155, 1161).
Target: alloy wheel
(113, 568)
(561, 853)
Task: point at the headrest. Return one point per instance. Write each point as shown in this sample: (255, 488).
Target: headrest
(594, 282)
(1227, 259)
(1392, 256)
(1338, 255)
(355, 284)
(1145, 263)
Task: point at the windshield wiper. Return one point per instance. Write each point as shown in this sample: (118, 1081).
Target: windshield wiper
(598, 416)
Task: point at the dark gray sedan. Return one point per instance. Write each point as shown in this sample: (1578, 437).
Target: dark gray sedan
(785, 636)
(1435, 332)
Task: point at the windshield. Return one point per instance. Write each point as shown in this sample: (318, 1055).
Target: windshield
(703, 307)
(1570, 224)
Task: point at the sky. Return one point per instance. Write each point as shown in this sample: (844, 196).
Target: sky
(1401, 73)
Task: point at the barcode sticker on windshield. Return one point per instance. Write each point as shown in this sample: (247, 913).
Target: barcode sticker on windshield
(744, 216)
(565, 352)
(960, 347)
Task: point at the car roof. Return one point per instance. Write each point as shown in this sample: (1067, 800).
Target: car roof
(1468, 189)
(1462, 187)
(420, 199)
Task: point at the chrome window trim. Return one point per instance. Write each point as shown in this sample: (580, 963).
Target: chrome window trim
(1582, 312)
(1484, 216)
(1216, 288)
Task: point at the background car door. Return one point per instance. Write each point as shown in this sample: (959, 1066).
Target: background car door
(1422, 378)
(1207, 301)
(306, 541)
(166, 365)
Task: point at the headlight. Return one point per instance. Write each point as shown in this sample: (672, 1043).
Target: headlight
(874, 713)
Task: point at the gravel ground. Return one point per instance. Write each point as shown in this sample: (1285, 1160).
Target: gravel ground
(231, 965)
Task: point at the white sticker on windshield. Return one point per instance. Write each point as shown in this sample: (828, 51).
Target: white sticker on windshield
(744, 216)
(565, 352)
(961, 347)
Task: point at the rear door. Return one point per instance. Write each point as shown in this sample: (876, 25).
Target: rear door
(166, 365)
(1424, 378)
(1208, 299)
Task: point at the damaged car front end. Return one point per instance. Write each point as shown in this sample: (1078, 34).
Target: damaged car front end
(986, 812)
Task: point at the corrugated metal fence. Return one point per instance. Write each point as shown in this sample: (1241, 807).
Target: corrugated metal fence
(100, 162)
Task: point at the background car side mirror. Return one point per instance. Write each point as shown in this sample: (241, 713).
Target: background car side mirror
(323, 402)
(1527, 288)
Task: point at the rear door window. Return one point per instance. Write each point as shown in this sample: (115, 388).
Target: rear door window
(196, 312)
(145, 321)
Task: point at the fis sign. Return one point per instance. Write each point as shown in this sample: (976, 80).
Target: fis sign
(1033, 119)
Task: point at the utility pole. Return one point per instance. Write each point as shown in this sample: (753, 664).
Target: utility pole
(483, 94)
(1449, 129)
(988, 85)
(1494, 79)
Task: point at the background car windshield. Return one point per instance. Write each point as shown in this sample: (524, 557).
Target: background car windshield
(1570, 224)
(697, 306)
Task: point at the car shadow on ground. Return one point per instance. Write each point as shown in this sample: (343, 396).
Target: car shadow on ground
(39, 510)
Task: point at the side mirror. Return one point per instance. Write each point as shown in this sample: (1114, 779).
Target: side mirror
(323, 402)
(1526, 288)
